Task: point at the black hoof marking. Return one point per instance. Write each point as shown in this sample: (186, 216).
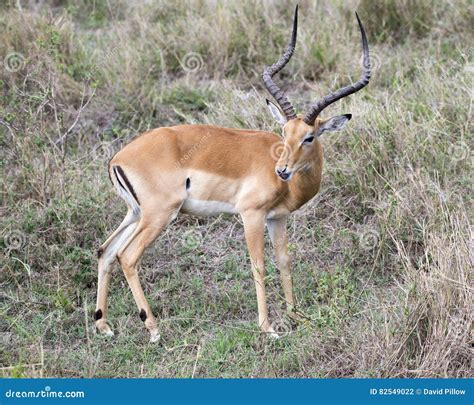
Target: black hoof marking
(98, 314)
(100, 251)
(143, 315)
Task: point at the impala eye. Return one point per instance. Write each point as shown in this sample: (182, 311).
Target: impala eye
(309, 139)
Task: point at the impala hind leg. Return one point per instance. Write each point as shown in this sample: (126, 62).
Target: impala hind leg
(254, 227)
(129, 255)
(107, 254)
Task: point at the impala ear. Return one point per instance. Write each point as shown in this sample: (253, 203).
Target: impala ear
(276, 113)
(333, 124)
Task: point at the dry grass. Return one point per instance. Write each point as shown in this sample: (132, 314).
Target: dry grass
(382, 256)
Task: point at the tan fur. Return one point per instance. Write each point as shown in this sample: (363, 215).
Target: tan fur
(228, 168)
(240, 162)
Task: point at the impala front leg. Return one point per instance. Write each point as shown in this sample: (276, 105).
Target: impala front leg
(279, 237)
(254, 226)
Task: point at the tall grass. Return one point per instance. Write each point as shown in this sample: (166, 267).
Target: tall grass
(381, 256)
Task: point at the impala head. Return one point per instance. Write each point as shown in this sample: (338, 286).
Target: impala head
(301, 133)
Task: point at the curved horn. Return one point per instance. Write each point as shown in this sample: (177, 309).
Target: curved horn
(315, 110)
(272, 70)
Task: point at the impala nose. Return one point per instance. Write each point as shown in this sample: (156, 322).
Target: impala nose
(283, 173)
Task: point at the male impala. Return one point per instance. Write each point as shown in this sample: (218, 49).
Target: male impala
(207, 170)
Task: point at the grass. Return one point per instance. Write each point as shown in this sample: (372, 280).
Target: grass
(381, 257)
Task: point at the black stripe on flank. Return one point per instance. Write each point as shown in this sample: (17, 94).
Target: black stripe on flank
(188, 183)
(127, 182)
(118, 179)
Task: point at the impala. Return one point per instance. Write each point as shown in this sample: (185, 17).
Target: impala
(207, 170)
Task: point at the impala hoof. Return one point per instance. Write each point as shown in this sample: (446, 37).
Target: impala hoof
(155, 336)
(104, 329)
(109, 333)
(273, 335)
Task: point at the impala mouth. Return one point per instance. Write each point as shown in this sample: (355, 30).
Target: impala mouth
(283, 173)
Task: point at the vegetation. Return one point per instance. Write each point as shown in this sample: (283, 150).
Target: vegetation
(382, 266)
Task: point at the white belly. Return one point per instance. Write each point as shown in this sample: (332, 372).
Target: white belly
(205, 208)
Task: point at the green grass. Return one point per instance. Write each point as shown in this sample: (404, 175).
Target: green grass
(380, 257)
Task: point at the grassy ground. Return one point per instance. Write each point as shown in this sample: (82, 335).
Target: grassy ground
(381, 257)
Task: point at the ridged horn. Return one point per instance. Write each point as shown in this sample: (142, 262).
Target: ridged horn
(316, 108)
(270, 71)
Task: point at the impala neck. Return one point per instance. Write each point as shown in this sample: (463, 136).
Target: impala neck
(305, 184)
